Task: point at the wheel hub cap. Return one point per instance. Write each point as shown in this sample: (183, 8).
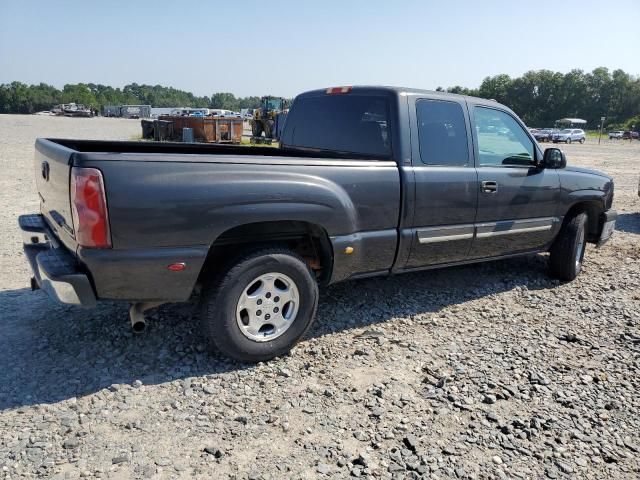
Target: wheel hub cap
(267, 307)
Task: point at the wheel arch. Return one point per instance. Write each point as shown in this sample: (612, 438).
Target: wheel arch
(310, 240)
(593, 207)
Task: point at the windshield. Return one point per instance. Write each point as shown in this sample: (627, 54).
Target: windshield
(274, 104)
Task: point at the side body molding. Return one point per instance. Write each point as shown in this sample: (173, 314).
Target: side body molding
(486, 230)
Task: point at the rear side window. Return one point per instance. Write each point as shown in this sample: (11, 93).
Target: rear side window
(442, 133)
(356, 124)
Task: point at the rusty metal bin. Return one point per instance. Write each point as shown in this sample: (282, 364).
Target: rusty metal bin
(163, 130)
(209, 129)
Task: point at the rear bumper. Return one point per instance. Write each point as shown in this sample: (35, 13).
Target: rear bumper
(132, 275)
(55, 270)
(608, 222)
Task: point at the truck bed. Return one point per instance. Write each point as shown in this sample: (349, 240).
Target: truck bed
(170, 201)
(103, 146)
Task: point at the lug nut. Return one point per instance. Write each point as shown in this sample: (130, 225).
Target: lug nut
(259, 302)
(268, 295)
(276, 299)
(276, 310)
(259, 312)
(267, 316)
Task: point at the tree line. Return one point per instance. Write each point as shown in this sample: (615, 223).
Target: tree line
(17, 97)
(540, 97)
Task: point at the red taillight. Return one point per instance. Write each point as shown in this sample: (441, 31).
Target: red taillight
(177, 267)
(336, 90)
(89, 207)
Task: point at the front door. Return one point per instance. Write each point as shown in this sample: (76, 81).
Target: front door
(445, 182)
(517, 202)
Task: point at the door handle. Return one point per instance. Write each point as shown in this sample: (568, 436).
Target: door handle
(489, 186)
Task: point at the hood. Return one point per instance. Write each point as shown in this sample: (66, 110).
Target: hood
(571, 168)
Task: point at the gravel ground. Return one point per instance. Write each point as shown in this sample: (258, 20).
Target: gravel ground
(484, 371)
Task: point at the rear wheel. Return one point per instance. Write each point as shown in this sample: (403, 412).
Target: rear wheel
(256, 128)
(569, 140)
(567, 251)
(261, 306)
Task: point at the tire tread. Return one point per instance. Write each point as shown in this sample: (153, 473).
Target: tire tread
(562, 258)
(224, 281)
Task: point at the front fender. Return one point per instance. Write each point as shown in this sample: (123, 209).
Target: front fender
(584, 196)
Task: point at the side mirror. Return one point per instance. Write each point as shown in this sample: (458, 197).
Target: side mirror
(553, 158)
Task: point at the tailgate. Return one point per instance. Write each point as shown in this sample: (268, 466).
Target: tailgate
(53, 172)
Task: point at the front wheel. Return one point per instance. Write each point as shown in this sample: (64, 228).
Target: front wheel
(256, 128)
(581, 140)
(567, 251)
(268, 128)
(261, 306)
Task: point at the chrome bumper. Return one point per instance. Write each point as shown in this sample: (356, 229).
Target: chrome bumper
(55, 270)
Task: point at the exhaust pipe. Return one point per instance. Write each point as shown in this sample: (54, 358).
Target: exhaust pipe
(136, 315)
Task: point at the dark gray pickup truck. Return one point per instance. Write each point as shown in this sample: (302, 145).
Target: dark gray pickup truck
(367, 181)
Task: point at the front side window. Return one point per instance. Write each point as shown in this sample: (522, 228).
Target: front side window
(442, 133)
(501, 140)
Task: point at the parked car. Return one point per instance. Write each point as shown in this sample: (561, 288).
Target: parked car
(543, 135)
(366, 181)
(246, 113)
(616, 135)
(630, 135)
(569, 135)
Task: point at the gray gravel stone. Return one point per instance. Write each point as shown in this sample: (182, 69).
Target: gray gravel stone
(120, 459)
(557, 361)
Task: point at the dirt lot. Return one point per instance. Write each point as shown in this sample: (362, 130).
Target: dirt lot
(485, 371)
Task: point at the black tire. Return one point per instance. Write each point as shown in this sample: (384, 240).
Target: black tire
(220, 299)
(582, 140)
(568, 140)
(268, 128)
(256, 128)
(567, 251)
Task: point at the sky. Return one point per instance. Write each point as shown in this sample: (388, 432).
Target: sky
(286, 47)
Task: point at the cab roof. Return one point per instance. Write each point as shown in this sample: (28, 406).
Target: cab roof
(398, 91)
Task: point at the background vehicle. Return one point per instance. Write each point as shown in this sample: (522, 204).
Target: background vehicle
(543, 135)
(190, 112)
(220, 112)
(367, 181)
(569, 135)
(264, 118)
(616, 135)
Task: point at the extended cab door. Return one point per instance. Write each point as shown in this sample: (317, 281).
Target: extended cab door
(445, 180)
(517, 202)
